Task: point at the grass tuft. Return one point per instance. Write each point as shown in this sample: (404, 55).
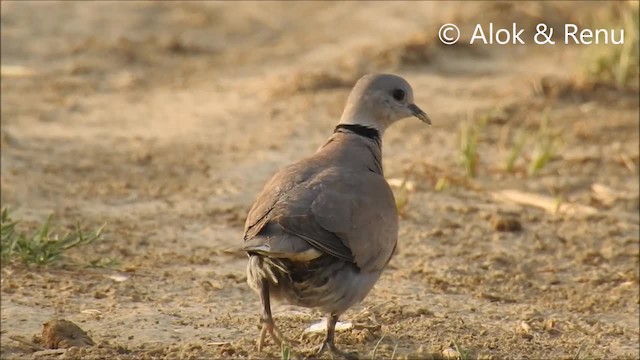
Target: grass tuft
(468, 146)
(402, 200)
(465, 354)
(442, 184)
(545, 146)
(43, 246)
(285, 352)
(617, 64)
(516, 151)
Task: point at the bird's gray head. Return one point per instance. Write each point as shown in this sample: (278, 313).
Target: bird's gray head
(379, 100)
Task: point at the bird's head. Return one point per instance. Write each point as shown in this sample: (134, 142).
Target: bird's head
(379, 100)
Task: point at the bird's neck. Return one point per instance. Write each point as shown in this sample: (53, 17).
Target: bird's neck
(362, 124)
(361, 130)
(355, 146)
(359, 117)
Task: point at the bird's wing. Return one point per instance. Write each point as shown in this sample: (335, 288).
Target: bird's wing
(280, 218)
(274, 191)
(347, 214)
(273, 241)
(359, 208)
(339, 211)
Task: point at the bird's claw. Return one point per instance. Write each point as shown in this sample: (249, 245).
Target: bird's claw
(269, 327)
(334, 351)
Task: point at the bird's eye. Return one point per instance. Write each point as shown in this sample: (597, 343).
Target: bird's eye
(398, 94)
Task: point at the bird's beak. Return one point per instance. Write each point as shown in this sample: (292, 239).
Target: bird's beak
(417, 112)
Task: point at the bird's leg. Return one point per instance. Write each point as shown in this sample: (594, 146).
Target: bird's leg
(332, 319)
(268, 326)
(267, 320)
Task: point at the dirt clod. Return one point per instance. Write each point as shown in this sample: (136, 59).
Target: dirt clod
(505, 224)
(63, 334)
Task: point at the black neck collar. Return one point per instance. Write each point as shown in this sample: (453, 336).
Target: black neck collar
(365, 131)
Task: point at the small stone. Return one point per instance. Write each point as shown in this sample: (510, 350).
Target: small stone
(505, 224)
(450, 353)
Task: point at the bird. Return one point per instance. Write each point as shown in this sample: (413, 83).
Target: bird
(322, 229)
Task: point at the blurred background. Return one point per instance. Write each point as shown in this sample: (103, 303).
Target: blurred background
(145, 129)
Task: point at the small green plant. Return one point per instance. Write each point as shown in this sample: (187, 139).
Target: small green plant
(285, 352)
(42, 247)
(468, 149)
(402, 199)
(465, 354)
(542, 153)
(617, 63)
(442, 184)
(544, 147)
(402, 191)
(516, 151)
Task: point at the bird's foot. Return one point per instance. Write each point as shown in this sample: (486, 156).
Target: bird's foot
(334, 351)
(268, 326)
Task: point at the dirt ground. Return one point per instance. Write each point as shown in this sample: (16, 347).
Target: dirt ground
(165, 119)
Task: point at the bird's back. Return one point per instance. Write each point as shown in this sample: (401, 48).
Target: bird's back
(336, 201)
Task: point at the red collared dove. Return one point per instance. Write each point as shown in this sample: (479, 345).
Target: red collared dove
(323, 229)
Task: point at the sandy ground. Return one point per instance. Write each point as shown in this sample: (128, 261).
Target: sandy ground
(165, 119)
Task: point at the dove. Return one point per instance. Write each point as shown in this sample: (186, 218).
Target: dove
(323, 229)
